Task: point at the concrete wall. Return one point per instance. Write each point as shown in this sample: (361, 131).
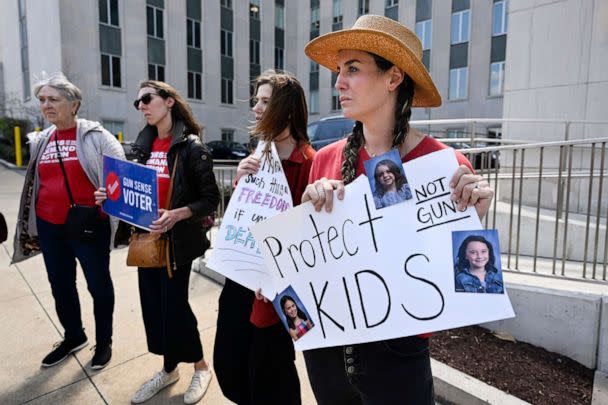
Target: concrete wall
(602, 356)
(559, 321)
(557, 53)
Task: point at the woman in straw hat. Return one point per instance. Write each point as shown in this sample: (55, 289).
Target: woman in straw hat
(380, 77)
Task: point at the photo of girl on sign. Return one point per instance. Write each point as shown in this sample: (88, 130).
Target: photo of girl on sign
(293, 314)
(387, 179)
(477, 267)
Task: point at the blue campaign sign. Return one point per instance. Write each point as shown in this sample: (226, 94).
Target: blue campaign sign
(132, 192)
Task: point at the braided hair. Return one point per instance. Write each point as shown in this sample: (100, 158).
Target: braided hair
(403, 112)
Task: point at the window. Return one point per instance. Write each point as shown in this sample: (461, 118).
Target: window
(279, 58)
(156, 72)
(227, 91)
(424, 31)
(108, 12)
(363, 7)
(279, 15)
(458, 83)
(497, 77)
(254, 9)
(154, 19)
(254, 51)
(314, 67)
(25, 60)
(314, 101)
(460, 26)
(110, 70)
(335, 96)
(195, 86)
(226, 3)
(227, 135)
(499, 18)
(337, 12)
(114, 127)
(226, 43)
(314, 16)
(193, 33)
(391, 3)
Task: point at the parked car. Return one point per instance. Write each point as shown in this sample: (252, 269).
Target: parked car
(328, 130)
(227, 150)
(480, 161)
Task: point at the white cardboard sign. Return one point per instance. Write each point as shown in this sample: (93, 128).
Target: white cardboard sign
(236, 253)
(367, 275)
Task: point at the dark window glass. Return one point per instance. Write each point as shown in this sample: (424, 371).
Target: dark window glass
(230, 92)
(160, 73)
(198, 86)
(105, 70)
(189, 29)
(151, 72)
(197, 34)
(190, 85)
(115, 71)
(114, 12)
(159, 23)
(150, 20)
(103, 11)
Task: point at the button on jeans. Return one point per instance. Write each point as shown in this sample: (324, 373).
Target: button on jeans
(395, 371)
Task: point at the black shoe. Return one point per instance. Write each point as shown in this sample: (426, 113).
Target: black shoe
(102, 357)
(61, 351)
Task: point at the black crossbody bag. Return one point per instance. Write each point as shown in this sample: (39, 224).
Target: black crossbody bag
(82, 221)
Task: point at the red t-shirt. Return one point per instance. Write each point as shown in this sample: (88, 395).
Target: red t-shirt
(158, 161)
(53, 202)
(328, 163)
(296, 169)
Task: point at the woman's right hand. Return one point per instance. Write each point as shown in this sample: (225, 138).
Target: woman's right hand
(249, 165)
(100, 195)
(321, 193)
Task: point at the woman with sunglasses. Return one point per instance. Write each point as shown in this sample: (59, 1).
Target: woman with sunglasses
(380, 78)
(173, 136)
(253, 354)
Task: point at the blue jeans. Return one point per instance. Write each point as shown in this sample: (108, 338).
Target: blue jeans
(60, 254)
(394, 371)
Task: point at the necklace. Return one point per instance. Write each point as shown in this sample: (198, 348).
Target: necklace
(369, 152)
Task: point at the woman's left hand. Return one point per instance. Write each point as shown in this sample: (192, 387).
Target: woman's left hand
(167, 219)
(471, 190)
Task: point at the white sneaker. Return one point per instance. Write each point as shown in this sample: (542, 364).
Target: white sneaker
(161, 380)
(198, 386)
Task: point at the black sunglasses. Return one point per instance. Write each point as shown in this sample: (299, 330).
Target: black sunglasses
(146, 98)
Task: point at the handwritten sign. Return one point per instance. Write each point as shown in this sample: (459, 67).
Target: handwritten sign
(365, 274)
(132, 192)
(236, 254)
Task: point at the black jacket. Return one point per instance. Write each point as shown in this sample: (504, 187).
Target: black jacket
(194, 187)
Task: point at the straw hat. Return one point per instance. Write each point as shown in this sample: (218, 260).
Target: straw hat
(386, 38)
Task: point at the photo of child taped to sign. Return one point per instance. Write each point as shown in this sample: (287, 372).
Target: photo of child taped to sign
(387, 179)
(477, 262)
(293, 314)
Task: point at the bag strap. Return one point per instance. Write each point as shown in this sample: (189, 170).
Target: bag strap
(169, 194)
(65, 177)
(168, 204)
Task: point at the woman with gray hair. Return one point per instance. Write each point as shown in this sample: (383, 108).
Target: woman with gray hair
(56, 215)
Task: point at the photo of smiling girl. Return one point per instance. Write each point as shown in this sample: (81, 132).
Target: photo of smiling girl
(387, 179)
(476, 268)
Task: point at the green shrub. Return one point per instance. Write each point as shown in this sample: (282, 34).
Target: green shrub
(7, 139)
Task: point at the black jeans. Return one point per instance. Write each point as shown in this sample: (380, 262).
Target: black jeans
(273, 376)
(60, 254)
(395, 371)
(233, 341)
